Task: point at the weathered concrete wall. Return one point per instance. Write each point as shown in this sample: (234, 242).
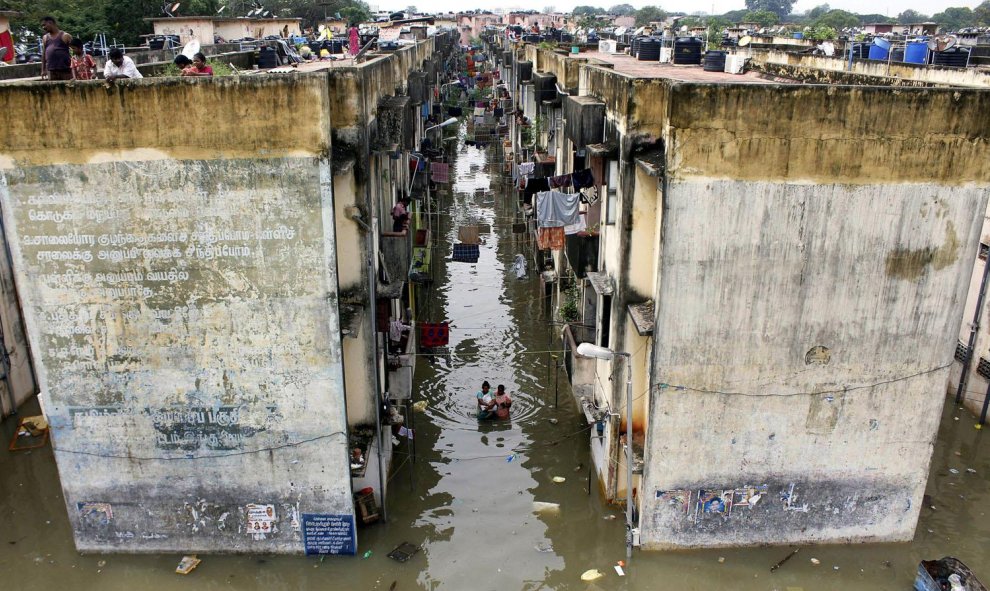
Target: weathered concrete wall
(180, 293)
(827, 70)
(817, 247)
(18, 383)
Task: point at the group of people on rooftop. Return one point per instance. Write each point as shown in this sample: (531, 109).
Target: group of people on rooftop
(65, 58)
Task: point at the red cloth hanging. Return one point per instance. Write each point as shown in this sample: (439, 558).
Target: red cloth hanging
(434, 334)
(550, 238)
(7, 41)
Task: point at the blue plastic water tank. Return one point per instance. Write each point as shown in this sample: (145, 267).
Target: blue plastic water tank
(916, 52)
(799, 35)
(877, 52)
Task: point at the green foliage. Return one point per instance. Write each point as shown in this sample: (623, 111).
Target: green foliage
(818, 11)
(912, 16)
(764, 18)
(123, 20)
(591, 22)
(780, 7)
(837, 19)
(622, 10)
(219, 69)
(569, 305)
(981, 14)
(821, 33)
(587, 10)
(649, 14)
(955, 18)
(735, 16)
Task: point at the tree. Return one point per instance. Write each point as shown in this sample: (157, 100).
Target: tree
(955, 18)
(735, 16)
(764, 18)
(912, 16)
(981, 14)
(649, 14)
(587, 10)
(818, 11)
(837, 19)
(622, 10)
(781, 7)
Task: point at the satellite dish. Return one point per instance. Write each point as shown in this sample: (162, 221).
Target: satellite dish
(828, 48)
(745, 40)
(942, 42)
(684, 28)
(175, 7)
(191, 48)
(620, 31)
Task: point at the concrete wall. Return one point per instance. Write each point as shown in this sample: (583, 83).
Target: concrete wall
(817, 248)
(17, 384)
(180, 293)
(823, 69)
(188, 29)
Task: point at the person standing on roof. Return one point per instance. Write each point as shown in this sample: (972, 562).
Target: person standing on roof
(56, 63)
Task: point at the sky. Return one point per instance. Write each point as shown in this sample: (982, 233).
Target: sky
(888, 7)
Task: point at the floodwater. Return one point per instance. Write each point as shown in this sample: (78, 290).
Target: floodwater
(466, 496)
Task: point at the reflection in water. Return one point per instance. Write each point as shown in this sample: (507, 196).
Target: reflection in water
(470, 496)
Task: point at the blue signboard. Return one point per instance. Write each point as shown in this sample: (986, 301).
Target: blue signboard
(328, 534)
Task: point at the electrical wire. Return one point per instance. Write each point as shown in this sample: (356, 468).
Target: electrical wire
(199, 457)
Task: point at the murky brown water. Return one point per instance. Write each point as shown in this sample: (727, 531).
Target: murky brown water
(468, 498)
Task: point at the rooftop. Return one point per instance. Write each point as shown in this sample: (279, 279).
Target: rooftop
(631, 66)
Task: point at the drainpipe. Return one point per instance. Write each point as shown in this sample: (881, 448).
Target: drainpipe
(973, 329)
(373, 307)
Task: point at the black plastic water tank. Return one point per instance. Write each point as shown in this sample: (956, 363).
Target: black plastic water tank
(634, 46)
(687, 51)
(957, 57)
(525, 70)
(715, 61)
(897, 54)
(649, 50)
(267, 58)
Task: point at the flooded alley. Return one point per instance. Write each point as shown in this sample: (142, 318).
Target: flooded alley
(498, 505)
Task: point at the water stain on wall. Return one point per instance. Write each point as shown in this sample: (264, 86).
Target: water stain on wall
(911, 263)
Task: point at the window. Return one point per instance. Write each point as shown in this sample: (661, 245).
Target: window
(606, 313)
(984, 250)
(612, 190)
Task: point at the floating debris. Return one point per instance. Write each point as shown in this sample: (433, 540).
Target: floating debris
(187, 564)
(419, 406)
(815, 561)
(783, 560)
(953, 470)
(721, 559)
(543, 508)
(591, 575)
(559, 479)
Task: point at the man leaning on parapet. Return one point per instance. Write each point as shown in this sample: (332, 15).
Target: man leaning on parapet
(55, 59)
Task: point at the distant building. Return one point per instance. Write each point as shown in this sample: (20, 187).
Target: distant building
(206, 28)
(878, 28)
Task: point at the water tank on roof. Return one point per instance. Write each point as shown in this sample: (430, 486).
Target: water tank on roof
(715, 61)
(916, 52)
(687, 51)
(957, 57)
(649, 50)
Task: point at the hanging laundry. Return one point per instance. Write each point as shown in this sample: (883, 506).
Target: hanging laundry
(434, 334)
(519, 267)
(526, 168)
(440, 172)
(468, 235)
(554, 208)
(550, 238)
(583, 178)
(479, 111)
(466, 253)
(559, 181)
(580, 226)
(534, 186)
(479, 120)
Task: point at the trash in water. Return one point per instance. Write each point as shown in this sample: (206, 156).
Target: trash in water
(541, 507)
(554, 421)
(419, 406)
(579, 467)
(187, 564)
(953, 470)
(721, 559)
(367, 554)
(559, 479)
(510, 458)
(545, 547)
(403, 552)
(619, 571)
(815, 561)
(971, 471)
(591, 575)
(783, 560)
